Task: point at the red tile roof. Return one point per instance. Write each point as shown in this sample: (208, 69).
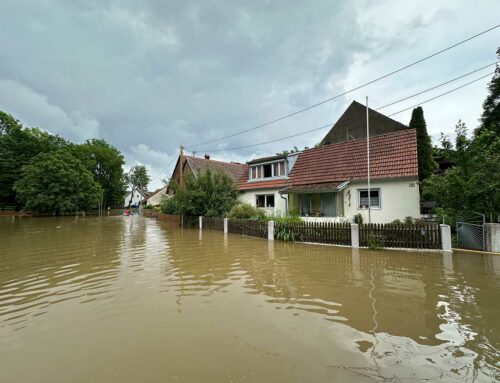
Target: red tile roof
(265, 184)
(391, 155)
(233, 169)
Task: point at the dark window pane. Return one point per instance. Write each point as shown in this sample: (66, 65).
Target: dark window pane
(267, 171)
(270, 200)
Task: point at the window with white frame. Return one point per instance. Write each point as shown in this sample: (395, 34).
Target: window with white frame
(363, 198)
(264, 200)
(274, 169)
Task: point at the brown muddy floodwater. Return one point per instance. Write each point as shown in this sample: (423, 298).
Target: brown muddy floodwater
(129, 299)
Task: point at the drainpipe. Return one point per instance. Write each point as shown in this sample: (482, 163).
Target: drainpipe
(286, 202)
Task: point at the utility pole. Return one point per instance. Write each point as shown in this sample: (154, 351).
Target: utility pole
(181, 179)
(368, 160)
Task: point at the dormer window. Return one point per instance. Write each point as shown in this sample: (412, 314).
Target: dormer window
(270, 170)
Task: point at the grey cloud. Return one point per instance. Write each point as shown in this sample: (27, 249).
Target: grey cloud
(151, 75)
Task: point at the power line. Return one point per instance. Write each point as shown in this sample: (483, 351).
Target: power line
(438, 86)
(348, 91)
(392, 103)
(443, 94)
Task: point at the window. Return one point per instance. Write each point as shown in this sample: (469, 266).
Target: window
(275, 169)
(363, 198)
(264, 200)
(267, 171)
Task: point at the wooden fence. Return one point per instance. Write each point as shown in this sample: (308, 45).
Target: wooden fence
(317, 232)
(248, 227)
(426, 236)
(213, 223)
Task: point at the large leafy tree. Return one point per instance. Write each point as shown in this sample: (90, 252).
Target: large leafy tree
(137, 179)
(473, 185)
(56, 183)
(426, 164)
(105, 162)
(18, 145)
(208, 194)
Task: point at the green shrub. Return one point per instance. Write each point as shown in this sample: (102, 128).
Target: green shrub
(283, 232)
(149, 207)
(408, 220)
(246, 211)
(397, 222)
(358, 218)
(375, 242)
(168, 205)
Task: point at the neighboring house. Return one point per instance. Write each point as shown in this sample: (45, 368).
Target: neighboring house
(193, 166)
(262, 181)
(331, 180)
(136, 198)
(155, 197)
(352, 125)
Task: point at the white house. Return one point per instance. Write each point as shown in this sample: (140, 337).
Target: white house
(136, 198)
(329, 183)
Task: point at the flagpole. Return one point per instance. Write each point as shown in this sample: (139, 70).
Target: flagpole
(368, 160)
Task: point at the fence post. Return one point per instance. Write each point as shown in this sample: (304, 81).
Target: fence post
(270, 230)
(225, 225)
(445, 237)
(354, 235)
(200, 220)
(492, 237)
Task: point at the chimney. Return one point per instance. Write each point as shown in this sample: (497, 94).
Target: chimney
(207, 156)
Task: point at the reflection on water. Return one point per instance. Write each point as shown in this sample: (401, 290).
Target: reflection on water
(128, 299)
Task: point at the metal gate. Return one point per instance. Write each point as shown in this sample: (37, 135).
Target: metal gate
(470, 232)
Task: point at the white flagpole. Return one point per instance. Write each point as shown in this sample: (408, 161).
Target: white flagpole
(368, 160)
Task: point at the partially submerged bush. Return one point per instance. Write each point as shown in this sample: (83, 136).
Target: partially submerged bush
(246, 211)
(374, 241)
(168, 205)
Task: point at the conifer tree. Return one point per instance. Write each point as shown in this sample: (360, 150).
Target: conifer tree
(426, 164)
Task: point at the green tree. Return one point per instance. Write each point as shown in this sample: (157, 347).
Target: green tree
(426, 164)
(490, 119)
(56, 183)
(473, 184)
(105, 162)
(137, 179)
(18, 145)
(208, 194)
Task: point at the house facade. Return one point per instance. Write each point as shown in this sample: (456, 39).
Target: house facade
(329, 183)
(264, 178)
(155, 197)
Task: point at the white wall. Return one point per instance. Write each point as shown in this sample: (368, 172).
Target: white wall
(279, 203)
(156, 199)
(136, 200)
(399, 199)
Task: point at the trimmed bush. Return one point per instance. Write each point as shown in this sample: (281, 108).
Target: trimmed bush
(246, 211)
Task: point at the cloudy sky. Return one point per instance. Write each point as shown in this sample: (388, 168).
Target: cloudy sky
(151, 75)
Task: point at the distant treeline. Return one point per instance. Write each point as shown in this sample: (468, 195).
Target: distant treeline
(46, 173)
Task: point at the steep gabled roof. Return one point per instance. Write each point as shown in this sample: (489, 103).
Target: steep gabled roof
(391, 155)
(352, 125)
(233, 169)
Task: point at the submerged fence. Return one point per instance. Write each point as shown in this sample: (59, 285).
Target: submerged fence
(426, 236)
(316, 232)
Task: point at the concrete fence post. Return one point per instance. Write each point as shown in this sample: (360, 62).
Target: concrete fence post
(354, 235)
(445, 237)
(492, 237)
(270, 230)
(225, 225)
(200, 220)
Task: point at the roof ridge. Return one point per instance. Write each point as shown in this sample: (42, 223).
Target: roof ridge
(218, 161)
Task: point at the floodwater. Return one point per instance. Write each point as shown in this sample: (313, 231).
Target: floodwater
(129, 299)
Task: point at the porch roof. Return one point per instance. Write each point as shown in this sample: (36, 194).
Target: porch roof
(324, 187)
